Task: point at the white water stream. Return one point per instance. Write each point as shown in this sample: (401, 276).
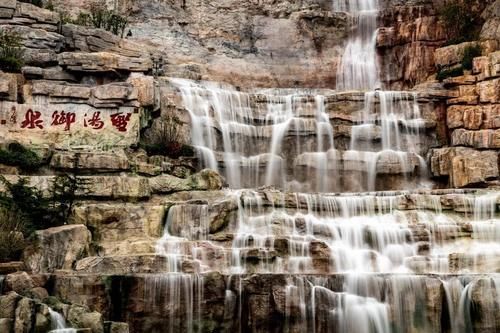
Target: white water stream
(384, 250)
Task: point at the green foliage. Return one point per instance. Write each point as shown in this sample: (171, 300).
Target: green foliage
(102, 18)
(38, 3)
(470, 53)
(460, 20)
(11, 52)
(446, 73)
(49, 5)
(18, 155)
(167, 142)
(12, 230)
(37, 210)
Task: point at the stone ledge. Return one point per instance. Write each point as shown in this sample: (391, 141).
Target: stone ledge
(465, 166)
(102, 62)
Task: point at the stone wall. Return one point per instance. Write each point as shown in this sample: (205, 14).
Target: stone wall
(473, 120)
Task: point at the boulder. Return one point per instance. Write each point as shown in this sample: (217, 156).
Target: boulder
(8, 304)
(19, 282)
(25, 316)
(57, 248)
(80, 317)
(124, 264)
(116, 327)
(6, 324)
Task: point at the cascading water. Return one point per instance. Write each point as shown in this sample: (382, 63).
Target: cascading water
(363, 263)
(58, 323)
(358, 69)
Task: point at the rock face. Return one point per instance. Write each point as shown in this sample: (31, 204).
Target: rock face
(58, 248)
(257, 226)
(473, 120)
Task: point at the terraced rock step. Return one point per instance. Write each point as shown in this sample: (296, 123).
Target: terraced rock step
(289, 302)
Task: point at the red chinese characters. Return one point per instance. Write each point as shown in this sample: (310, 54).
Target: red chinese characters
(63, 118)
(95, 122)
(120, 121)
(32, 119)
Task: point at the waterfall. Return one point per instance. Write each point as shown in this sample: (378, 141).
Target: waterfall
(58, 323)
(362, 262)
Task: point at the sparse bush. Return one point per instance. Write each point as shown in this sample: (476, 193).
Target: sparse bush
(168, 141)
(102, 18)
(446, 73)
(40, 211)
(17, 155)
(38, 3)
(11, 52)
(49, 5)
(470, 53)
(461, 21)
(12, 230)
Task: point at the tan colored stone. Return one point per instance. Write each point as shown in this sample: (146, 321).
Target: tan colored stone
(145, 86)
(95, 161)
(8, 86)
(25, 316)
(20, 282)
(486, 139)
(102, 62)
(464, 166)
(452, 54)
(489, 91)
(121, 221)
(491, 116)
(57, 248)
(8, 304)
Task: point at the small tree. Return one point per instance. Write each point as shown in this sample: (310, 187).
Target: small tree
(11, 52)
(461, 21)
(12, 230)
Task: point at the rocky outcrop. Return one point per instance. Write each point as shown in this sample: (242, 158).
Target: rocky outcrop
(465, 166)
(57, 248)
(473, 120)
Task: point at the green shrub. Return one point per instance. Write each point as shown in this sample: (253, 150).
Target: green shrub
(470, 53)
(38, 3)
(461, 22)
(173, 150)
(39, 211)
(17, 155)
(102, 18)
(12, 230)
(446, 73)
(11, 52)
(167, 141)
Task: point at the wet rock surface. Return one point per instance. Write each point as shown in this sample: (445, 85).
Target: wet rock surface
(164, 237)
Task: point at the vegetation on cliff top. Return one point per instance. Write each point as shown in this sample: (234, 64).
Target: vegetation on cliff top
(20, 156)
(470, 52)
(11, 52)
(167, 141)
(462, 21)
(100, 17)
(25, 209)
